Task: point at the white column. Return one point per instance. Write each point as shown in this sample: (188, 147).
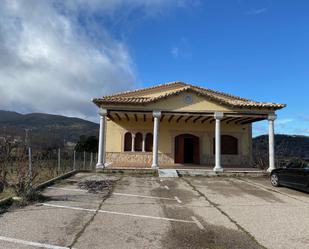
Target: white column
(271, 141)
(143, 144)
(156, 116)
(101, 151)
(218, 116)
(133, 142)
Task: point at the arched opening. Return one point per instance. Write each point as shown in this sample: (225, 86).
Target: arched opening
(148, 142)
(138, 142)
(128, 141)
(187, 149)
(229, 145)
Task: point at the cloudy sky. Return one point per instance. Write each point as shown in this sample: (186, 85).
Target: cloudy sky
(56, 55)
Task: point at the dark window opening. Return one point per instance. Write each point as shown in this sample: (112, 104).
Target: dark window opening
(229, 145)
(148, 142)
(138, 142)
(128, 142)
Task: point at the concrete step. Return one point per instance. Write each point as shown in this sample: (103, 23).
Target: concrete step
(168, 173)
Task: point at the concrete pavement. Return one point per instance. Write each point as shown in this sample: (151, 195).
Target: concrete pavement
(151, 212)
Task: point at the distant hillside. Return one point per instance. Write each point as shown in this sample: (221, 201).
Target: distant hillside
(46, 130)
(286, 146)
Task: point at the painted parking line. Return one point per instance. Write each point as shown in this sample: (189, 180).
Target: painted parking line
(31, 243)
(165, 186)
(68, 189)
(193, 221)
(124, 194)
(177, 199)
(146, 196)
(199, 224)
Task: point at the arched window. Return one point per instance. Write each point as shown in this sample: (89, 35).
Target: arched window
(138, 142)
(128, 142)
(229, 145)
(148, 142)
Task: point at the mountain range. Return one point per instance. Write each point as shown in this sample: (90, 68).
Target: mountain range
(45, 130)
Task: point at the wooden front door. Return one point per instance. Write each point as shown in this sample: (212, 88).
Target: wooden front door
(187, 149)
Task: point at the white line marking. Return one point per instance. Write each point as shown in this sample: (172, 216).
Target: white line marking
(69, 189)
(166, 187)
(177, 199)
(133, 195)
(30, 243)
(118, 213)
(200, 226)
(145, 196)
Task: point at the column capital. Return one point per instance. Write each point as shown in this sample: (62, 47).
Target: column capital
(102, 112)
(272, 117)
(218, 115)
(156, 114)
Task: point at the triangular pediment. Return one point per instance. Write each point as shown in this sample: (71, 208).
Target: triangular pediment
(174, 96)
(187, 101)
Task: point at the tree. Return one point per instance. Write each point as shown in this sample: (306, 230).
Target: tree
(88, 144)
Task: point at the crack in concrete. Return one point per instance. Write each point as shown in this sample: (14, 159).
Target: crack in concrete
(216, 206)
(79, 234)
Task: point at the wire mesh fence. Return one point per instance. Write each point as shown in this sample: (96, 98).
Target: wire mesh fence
(34, 168)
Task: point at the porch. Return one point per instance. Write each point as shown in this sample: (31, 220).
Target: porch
(169, 149)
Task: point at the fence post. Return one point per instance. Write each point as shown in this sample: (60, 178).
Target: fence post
(84, 164)
(30, 166)
(74, 160)
(91, 160)
(59, 161)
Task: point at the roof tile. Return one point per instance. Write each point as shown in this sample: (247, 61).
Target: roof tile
(155, 93)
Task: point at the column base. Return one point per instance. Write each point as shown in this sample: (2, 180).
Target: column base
(100, 166)
(154, 166)
(270, 169)
(218, 169)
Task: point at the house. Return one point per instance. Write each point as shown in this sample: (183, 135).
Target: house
(177, 124)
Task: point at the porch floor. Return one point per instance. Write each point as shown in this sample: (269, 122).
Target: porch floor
(200, 167)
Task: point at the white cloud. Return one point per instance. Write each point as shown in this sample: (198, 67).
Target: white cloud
(55, 55)
(175, 52)
(182, 49)
(284, 121)
(254, 12)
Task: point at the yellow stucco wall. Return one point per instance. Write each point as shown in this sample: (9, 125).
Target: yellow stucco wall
(177, 103)
(168, 130)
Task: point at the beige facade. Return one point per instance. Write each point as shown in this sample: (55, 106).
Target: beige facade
(117, 129)
(190, 121)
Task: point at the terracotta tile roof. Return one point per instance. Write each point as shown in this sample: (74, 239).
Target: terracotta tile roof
(155, 93)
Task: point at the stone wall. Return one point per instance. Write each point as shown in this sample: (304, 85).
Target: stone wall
(228, 160)
(138, 158)
(145, 159)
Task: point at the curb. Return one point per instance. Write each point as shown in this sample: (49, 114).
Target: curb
(194, 173)
(52, 181)
(134, 171)
(6, 202)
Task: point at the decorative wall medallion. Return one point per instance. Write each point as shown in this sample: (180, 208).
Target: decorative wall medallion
(188, 99)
